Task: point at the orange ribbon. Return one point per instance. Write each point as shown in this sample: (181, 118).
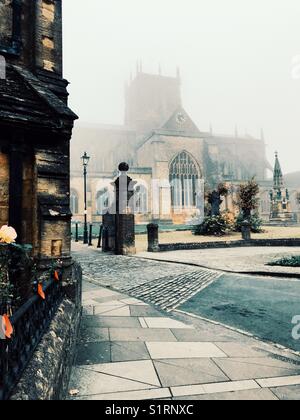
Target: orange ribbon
(56, 276)
(8, 327)
(41, 292)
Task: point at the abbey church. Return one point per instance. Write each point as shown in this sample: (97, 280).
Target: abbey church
(170, 158)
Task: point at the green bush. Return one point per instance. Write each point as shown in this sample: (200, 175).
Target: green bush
(214, 226)
(287, 262)
(255, 222)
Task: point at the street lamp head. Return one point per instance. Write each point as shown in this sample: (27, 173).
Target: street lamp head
(85, 159)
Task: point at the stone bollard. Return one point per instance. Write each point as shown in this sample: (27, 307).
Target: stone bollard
(153, 242)
(246, 230)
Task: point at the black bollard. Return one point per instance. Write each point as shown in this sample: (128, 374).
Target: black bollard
(91, 236)
(153, 240)
(76, 233)
(100, 236)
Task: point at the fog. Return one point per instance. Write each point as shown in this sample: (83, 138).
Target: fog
(238, 61)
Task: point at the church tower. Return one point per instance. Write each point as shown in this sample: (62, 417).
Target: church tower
(35, 126)
(279, 197)
(150, 100)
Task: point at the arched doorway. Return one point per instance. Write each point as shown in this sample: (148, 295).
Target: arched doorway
(184, 178)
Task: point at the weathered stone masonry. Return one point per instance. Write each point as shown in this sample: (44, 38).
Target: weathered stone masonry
(35, 132)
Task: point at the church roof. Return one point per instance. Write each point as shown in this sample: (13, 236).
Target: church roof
(181, 122)
(25, 99)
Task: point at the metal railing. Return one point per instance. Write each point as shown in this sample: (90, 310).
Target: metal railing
(30, 322)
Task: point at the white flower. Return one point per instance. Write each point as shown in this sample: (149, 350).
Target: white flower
(8, 235)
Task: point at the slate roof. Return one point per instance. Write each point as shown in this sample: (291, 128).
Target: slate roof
(25, 99)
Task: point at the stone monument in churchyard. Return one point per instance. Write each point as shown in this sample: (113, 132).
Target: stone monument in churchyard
(280, 198)
(119, 221)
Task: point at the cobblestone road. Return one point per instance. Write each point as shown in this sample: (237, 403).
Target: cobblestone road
(162, 284)
(170, 292)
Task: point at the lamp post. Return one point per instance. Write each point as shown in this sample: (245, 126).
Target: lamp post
(85, 161)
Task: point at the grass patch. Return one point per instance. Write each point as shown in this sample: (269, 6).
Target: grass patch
(287, 262)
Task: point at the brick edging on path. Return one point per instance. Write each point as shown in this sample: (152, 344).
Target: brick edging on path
(230, 244)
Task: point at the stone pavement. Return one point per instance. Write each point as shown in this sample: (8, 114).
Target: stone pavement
(234, 260)
(131, 350)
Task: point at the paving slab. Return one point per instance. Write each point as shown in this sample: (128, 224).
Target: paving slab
(278, 382)
(144, 311)
(174, 372)
(90, 383)
(256, 368)
(233, 349)
(110, 322)
(184, 350)
(206, 389)
(141, 334)
(128, 351)
(164, 322)
(287, 393)
(140, 371)
(93, 335)
(112, 311)
(93, 353)
(145, 394)
(249, 395)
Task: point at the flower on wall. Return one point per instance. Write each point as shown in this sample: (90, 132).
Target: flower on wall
(8, 235)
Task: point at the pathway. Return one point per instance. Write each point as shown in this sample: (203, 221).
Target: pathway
(131, 350)
(235, 260)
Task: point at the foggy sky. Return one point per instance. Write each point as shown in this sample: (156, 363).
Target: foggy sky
(235, 58)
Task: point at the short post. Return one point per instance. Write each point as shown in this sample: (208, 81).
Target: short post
(76, 233)
(246, 230)
(153, 241)
(91, 236)
(100, 236)
(105, 242)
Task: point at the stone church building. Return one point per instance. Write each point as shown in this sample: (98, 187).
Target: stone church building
(170, 158)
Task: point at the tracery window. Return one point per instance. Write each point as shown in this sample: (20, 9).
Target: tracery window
(184, 177)
(141, 199)
(102, 201)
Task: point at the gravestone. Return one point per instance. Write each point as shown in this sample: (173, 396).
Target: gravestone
(215, 202)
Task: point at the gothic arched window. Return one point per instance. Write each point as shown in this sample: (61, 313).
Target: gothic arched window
(141, 199)
(184, 177)
(74, 202)
(102, 201)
